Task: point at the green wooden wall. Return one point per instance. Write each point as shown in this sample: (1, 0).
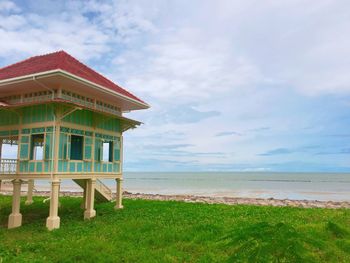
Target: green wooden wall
(8, 117)
(44, 113)
(89, 118)
(37, 113)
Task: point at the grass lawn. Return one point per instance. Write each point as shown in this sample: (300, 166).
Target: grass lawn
(159, 231)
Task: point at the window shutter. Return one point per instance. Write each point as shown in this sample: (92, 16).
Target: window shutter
(117, 150)
(111, 145)
(69, 139)
(24, 147)
(101, 150)
(48, 143)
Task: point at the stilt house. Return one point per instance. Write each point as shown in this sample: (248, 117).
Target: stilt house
(67, 123)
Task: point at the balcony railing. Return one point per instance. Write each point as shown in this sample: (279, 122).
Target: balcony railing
(8, 166)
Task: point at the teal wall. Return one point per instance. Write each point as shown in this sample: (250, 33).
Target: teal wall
(44, 113)
(8, 117)
(29, 166)
(37, 113)
(64, 163)
(89, 118)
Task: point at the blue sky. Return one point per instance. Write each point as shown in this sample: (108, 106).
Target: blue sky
(234, 85)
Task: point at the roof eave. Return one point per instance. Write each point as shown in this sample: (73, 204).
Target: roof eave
(76, 78)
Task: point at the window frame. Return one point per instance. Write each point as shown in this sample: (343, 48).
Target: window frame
(110, 151)
(32, 147)
(71, 148)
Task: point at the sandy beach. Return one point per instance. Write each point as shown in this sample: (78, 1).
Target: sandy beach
(6, 189)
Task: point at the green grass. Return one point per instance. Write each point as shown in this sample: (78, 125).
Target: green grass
(158, 231)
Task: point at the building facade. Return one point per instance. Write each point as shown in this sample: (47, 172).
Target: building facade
(67, 122)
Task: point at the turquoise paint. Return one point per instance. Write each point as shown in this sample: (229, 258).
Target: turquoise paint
(23, 167)
(24, 151)
(41, 113)
(32, 167)
(39, 167)
(79, 167)
(37, 113)
(8, 117)
(72, 167)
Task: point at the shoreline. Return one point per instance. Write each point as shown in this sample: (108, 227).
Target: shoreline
(208, 199)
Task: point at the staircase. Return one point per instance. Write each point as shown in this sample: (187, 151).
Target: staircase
(102, 192)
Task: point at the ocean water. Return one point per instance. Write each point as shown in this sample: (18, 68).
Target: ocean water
(298, 186)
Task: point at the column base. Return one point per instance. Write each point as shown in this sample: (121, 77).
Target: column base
(89, 214)
(117, 207)
(53, 223)
(15, 220)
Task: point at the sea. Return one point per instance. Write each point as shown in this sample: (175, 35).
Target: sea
(294, 186)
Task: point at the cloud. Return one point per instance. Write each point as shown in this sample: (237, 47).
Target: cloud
(220, 134)
(8, 7)
(265, 70)
(86, 29)
(341, 151)
(282, 151)
(181, 114)
(260, 129)
(277, 151)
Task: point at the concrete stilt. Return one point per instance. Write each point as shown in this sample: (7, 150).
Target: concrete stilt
(53, 221)
(29, 200)
(15, 218)
(119, 194)
(83, 203)
(90, 199)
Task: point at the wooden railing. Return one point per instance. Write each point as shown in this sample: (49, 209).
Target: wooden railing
(8, 166)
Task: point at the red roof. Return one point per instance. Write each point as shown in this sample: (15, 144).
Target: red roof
(64, 61)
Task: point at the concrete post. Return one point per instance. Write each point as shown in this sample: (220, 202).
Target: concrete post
(83, 203)
(53, 221)
(90, 199)
(29, 200)
(15, 218)
(119, 194)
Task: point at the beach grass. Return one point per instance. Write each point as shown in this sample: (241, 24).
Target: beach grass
(169, 231)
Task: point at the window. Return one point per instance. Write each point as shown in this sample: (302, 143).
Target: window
(76, 152)
(37, 147)
(8, 150)
(107, 151)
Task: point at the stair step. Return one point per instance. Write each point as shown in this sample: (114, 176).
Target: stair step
(102, 192)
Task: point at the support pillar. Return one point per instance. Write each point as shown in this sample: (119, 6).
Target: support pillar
(15, 218)
(53, 221)
(119, 194)
(29, 200)
(90, 199)
(83, 203)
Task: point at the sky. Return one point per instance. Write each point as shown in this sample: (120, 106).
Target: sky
(233, 85)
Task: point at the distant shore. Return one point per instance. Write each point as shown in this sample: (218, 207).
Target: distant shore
(7, 190)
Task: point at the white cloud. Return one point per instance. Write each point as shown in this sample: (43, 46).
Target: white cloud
(84, 29)
(206, 67)
(8, 6)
